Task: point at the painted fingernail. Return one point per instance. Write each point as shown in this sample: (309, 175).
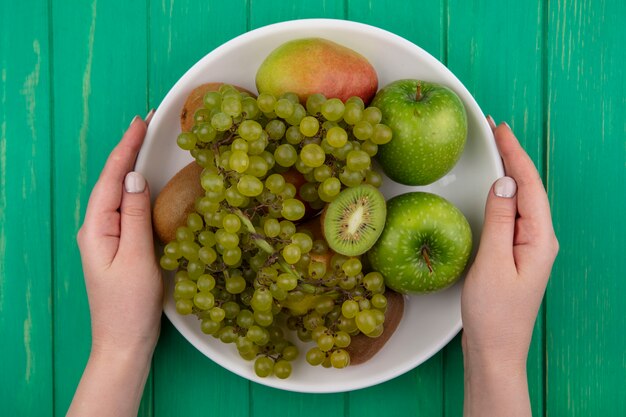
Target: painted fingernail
(505, 187)
(133, 121)
(149, 116)
(492, 123)
(134, 182)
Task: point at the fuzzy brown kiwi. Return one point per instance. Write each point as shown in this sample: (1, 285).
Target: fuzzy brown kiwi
(175, 201)
(354, 220)
(195, 101)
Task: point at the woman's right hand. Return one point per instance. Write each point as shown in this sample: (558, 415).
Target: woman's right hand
(504, 287)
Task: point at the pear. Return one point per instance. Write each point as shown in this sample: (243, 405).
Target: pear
(315, 65)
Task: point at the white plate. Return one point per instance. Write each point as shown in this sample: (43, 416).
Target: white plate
(429, 321)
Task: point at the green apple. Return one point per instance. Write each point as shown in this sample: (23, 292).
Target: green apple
(429, 128)
(425, 244)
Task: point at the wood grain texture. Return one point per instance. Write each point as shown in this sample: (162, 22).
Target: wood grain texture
(25, 233)
(99, 85)
(586, 342)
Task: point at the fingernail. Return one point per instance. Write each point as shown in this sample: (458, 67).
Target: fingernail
(149, 116)
(505, 187)
(507, 125)
(133, 121)
(134, 182)
(492, 123)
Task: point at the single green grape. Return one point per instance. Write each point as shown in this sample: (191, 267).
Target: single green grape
(362, 130)
(249, 186)
(293, 209)
(339, 358)
(358, 160)
(314, 103)
(373, 281)
(315, 356)
(309, 126)
(372, 115)
(204, 300)
(250, 130)
(312, 155)
(366, 321)
(291, 253)
(381, 134)
(212, 100)
(333, 109)
(187, 140)
(285, 155)
(282, 369)
(337, 136)
(284, 108)
(287, 282)
(221, 122)
(350, 309)
(232, 105)
(266, 102)
(352, 266)
(263, 366)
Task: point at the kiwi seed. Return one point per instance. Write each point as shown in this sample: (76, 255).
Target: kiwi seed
(354, 220)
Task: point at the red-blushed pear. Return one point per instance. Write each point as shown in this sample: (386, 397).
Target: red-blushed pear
(315, 65)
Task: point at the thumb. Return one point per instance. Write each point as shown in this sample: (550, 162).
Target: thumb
(500, 215)
(135, 222)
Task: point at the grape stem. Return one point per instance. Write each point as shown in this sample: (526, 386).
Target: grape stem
(263, 244)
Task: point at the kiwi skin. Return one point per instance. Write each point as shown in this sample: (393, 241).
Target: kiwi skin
(175, 201)
(334, 214)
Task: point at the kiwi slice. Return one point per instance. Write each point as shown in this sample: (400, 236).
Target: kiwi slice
(354, 220)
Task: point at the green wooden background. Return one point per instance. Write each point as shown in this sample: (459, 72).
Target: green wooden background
(74, 73)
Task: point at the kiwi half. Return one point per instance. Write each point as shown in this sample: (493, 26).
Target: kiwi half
(354, 220)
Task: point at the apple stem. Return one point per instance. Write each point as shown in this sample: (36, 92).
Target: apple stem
(427, 258)
(418, 93)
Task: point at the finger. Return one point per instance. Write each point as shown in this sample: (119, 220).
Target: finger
(492, 123)
(106, 196)
(135, 221)
(532, 201)
(498, 231)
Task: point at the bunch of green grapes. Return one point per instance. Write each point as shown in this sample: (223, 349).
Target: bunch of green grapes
(244, 268)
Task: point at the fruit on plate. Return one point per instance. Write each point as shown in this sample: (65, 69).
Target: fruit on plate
(363, 348)
(354, 220)
(315, 65)
(429, 128)
(425, 245)
(239, 261)
(194, 102)
(176, 201)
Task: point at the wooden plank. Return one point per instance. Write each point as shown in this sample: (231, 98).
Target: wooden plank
(25, 235)
(185, 381)
(99, 85)
(501, 63)
(586, 366)
(420, 22)
(266, 12)
(420, 391)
